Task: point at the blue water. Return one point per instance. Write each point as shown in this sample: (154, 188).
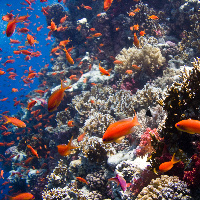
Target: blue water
(7, 50)
(20, 65)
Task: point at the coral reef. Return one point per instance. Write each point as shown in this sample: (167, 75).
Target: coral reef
(59, 176)
(181, 103)
(98, 180)
(149, 58)
(145, 142)
(106, 100)
(166, 187)
(190, 45)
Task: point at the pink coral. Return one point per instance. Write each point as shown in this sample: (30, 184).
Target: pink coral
(192, 177)
(145, 142)
(129, 84)
(144, 180)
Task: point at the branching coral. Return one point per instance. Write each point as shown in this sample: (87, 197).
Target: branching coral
(190, 39)
(59, 175)
(66, 193)
(94, 150)
(166, 187)
(181, 103)
(106, 100)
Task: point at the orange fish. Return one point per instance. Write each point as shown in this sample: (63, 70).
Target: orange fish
(2, 72)
(136, 67)
(56, 97)
(142, 33)
(129, 71)
(118, 62)
(136, 41)
(14, 41)
(189, 126)
(31, 40)
(78, 28)
(31, 104)
(116, 131)
(22, 30)
(62, 20)
(15, 90)
(25, 52)
(107, 4)
(11, 27)
(22, 196)
(1, 175)
(14, 121)
(86, 7)
(33, 151)
(136, 10)
(53, 26)
(39, 28)
(68, 57)
(70, 123)
(136, 27)
(132, 14)
(80, 137)
(97, 35)
(64, 42)
(55, 49)
(7, 17)
(153, 17)
(65, 150)
(82, 180)
(103, 71)
(166, 166)
(23, 18)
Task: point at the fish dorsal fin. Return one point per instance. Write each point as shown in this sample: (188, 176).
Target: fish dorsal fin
(135, 121)
(63, 86)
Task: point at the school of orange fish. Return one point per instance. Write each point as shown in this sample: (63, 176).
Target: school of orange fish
(114, 133)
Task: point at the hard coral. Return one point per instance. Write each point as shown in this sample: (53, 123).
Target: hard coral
(95, 151)
(106, 100)
(166, 187)
(97, 123)
(190, 38)
(145, 142)
(181, 103)
(149, 58)
(59, 176)
(97, 180)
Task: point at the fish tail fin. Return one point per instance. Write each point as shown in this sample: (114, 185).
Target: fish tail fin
(6, 119)
(72, 146)
(174, 160)
(63, 86)
(135, 121)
